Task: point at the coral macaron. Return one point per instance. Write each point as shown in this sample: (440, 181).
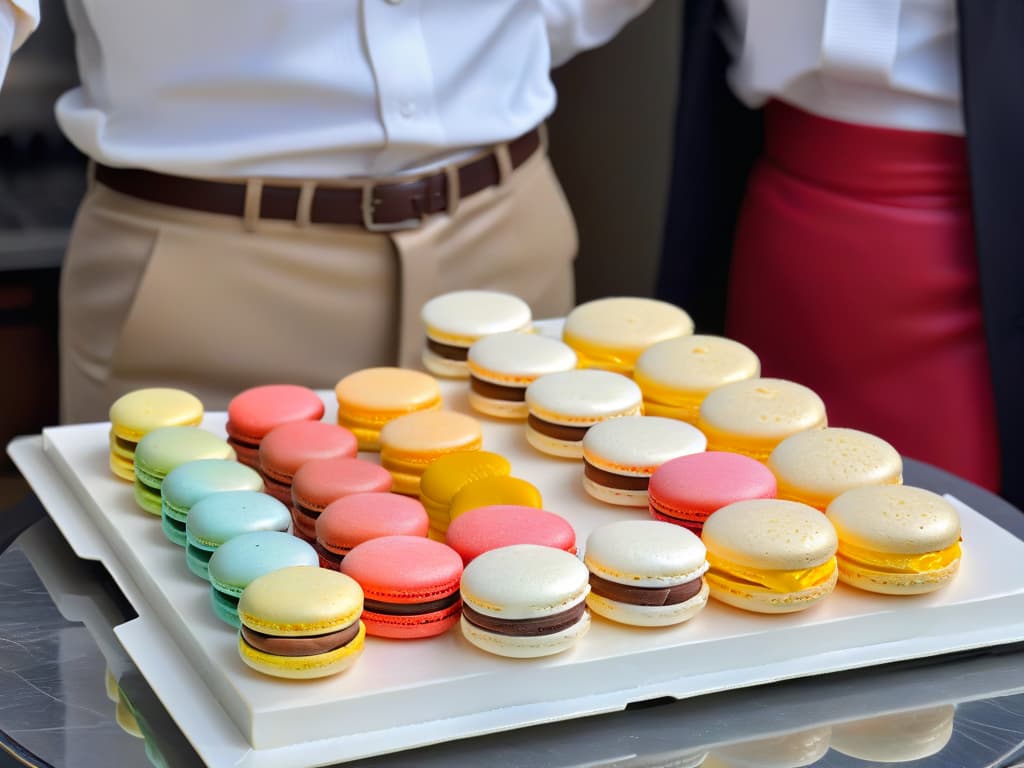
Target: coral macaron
(287, 447)
(485, 528)
(319, 482)
(351, 520)
(411, 585)
(257, 410)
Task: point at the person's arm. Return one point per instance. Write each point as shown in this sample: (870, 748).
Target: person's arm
(17, 20)
(576, 25)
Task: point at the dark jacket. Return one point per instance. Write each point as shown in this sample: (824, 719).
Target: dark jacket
(718, 139)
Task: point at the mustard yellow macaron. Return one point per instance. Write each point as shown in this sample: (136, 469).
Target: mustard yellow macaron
(370, 398)
(896, 540)
(446, 476)
(410, 443)
(816, 466)
(755, 415)
(301, 622)
(491, 491)
(770, 555)
(136, 414)
(611, 333)
(676, 375)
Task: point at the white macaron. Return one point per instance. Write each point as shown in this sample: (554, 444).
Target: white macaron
(646, 573)
(896, 737)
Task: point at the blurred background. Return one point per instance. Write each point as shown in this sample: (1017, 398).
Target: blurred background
(609, 142)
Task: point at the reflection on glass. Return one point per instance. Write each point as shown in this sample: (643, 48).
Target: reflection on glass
(898, 737)
(791, 750)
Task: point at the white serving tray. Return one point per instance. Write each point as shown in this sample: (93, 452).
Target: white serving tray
(403, 694)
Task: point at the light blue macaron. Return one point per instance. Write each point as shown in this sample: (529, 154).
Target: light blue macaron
(192, 481)
(220, 517)
(244, 558)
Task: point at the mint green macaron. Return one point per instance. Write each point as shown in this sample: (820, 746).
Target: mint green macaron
(192, 481)
(220, 517)
(164, 449)
(245, 558)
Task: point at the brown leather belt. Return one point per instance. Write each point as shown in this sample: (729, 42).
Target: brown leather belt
(385, 207)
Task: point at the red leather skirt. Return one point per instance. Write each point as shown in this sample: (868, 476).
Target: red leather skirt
(854, 273)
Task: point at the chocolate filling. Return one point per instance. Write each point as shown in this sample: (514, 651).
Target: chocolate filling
(239, 440)
(545, 625)
(623, 593)
(124, 444)
(331, 557)
(557, 431)
(312, 514)
(411, 609)
(497, 391)
(300, 646)
(283, 487)
(447, 351)
(612, 480)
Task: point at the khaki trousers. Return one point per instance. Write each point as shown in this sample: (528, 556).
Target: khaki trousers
(153, 295)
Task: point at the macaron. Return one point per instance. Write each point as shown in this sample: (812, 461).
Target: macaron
(220, 517)
(688, 489)
(896, 539)
(645, 573)
(370, 398)
(816, 466)
(676, 375)
(351, 520)
(253, 412)
(489, 491)
(318, 482)
(165, 448)
(755, 415)
(243, 559)
(790, 750)
(563, 406)
(411, 585)
(192, 481)
(770, 555)
(446, 476)
(620, 455)
(288, 446)
(502, 366)
(410, 443)
(301, 622)
(525, 601)
(611, 333)
(896, 737)
(485, 528)
(455, 320)
(136, 414)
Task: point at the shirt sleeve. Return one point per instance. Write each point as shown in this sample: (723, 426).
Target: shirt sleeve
(18, 18)
(576, 25)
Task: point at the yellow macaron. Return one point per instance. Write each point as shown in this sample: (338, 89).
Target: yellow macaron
(489, 491)
(755, 415)
(896, 539)
(815, 467)
(446, 476)
(410, 443)
(137, 413)
(370, 398)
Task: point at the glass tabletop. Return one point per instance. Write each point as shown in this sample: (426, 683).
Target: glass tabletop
(70, 696)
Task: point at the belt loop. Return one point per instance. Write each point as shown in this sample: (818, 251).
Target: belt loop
(304, 208)
(253, 196)
(542, 132)
(504, 159)
(454, 188)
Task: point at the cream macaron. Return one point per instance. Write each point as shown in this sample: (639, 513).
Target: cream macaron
(645, 573)
(770, 555)
(563, 406)
(502, 366)
(677, 374)
(620, 455)
(814, 467)
(896, 539)
(525, 601)
(455, 320)
(612, 333)
(796, 749)
(896, 737)
(753, 416)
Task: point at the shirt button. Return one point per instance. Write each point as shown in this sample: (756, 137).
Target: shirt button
(406, 108)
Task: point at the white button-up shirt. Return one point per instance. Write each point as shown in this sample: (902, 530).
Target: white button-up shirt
(892, 63)
(313, 88)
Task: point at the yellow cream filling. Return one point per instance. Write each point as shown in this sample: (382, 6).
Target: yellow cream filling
(593, 356)
(745, 577)
(886, 562)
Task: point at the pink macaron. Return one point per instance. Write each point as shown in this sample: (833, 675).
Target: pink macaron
(410, 585)
(255, 411)
(351, 520)
(686, 490)
(287, 447)
(320, 481)
(500, 525)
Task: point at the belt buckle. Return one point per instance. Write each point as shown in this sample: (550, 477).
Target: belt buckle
(368, 208)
